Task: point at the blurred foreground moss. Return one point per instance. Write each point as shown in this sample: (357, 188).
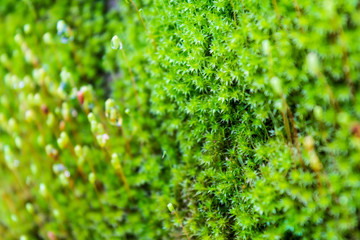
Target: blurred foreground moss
(179, 119)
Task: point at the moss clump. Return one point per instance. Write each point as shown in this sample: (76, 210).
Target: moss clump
(240, 117)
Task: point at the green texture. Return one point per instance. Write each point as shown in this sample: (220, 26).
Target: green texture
(195, 119)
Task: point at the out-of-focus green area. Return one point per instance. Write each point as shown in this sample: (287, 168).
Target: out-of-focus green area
(179, 119)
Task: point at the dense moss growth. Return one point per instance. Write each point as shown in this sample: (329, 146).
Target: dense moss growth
(240, 117)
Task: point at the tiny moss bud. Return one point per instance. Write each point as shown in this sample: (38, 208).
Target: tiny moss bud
(109, 104)
(312, 62)
(18, 142)
(13, 126)
(42, 190)
(92, 178)
(115, 162)
(57, 111)
(62, 125)
(276, 85)
(80, 161)
(100, 129)
(78, 151)
(87, 93)
(18, 39)
(4, 59)
(171, 208)
(343, 118)
(48, 149)
(63, 140)
(65, 111)
(29, 207)
(33, 168)
(51, 151)
(40, 140)
(23, 237)
(29, 115)
(114, 156)
(63, 179)
(4, 101)
(50, 120)
(315, 163)
(65, 76)
(64, 136)
(318, 113)
(91, 117)
(27, 28)
(116, 43)
(37, 99)
(309, 142)
(93, 125)
(113, 115)
(61, 143)
(56, 213)
(266, 47)
(102, 139)
(14, 218)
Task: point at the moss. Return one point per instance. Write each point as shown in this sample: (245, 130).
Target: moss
(240, 117)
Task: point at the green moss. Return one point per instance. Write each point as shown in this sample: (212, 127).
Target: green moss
(241, 117)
